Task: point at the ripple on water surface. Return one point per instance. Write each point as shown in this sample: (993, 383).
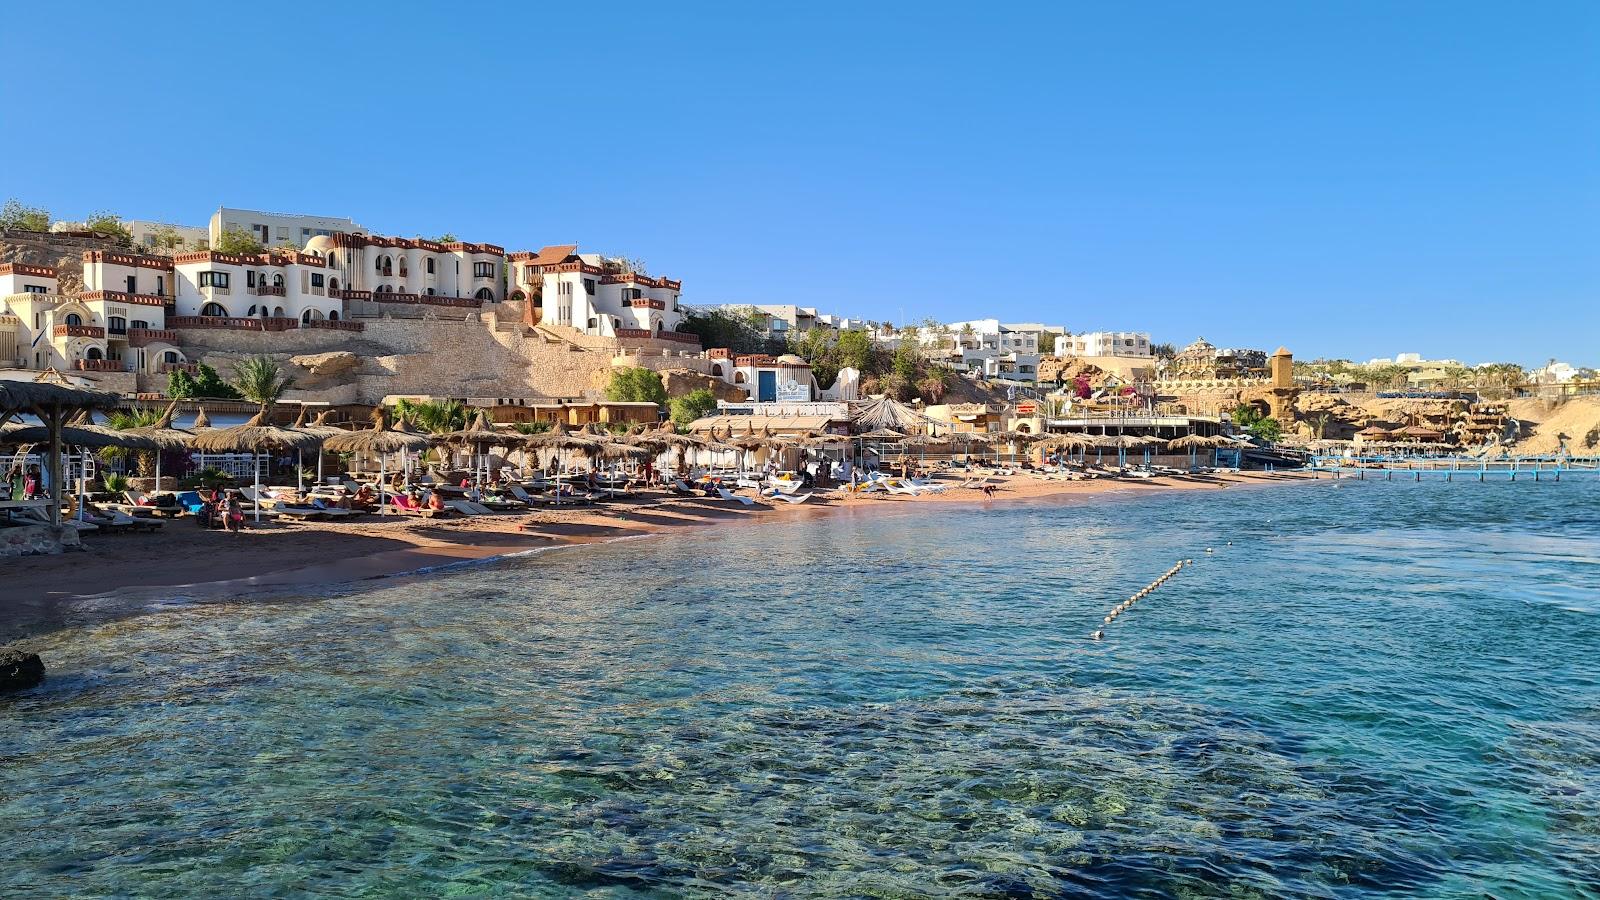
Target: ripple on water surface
(1376, 689)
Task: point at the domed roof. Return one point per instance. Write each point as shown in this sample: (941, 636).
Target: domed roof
(321, 244)
(789, 359)
(1200, 344)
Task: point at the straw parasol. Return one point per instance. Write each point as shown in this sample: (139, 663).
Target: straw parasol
(253, 437)
(480, 436)
(882, 434)
(166, 437)
(562, 441)
(381, 440)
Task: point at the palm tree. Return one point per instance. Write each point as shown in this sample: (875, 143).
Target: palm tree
(1319, 424)
(127, 420)
(261, 379)
(432, 417)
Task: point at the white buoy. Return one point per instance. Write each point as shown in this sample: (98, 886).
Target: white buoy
(1096, 635)
(1208, 549)
(1109, 618)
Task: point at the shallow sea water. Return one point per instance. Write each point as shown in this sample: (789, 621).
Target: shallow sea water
(1378, 689)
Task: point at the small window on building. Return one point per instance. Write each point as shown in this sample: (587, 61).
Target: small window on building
(138, 324)
(483, 270)
(427, 266)
(249, 279)
(588, 286)
(171, 356)
(317, 279)
(214, 279)
(117, 325)
(35, 289)
(74, 319)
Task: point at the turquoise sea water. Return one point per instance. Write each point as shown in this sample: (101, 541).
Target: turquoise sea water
(1379, 689)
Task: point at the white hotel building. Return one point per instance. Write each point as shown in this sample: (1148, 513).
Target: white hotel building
(593, 295)
(368, 269)
(225, 288)
(118, 323)
(1104, 343)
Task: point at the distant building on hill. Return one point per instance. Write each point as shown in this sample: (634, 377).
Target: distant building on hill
(1104, 343)
(278, 229)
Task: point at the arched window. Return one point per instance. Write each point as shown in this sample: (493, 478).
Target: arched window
(430, 292)
(388, 265)
(333, 287)
(738, 378)
(428, 265)
(333, 316)
(276, 311)
(93, 353)
(593, 324)
(377, 264)
(213, 309)
(251, 312)
(485, 294)
(74, 319)
(305, 316)
(716, 370)
(277, 281)
(402, 267)
(170, 356)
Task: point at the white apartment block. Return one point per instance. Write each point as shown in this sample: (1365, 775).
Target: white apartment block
(267, 286)
(987, 347)
(1104, 343)
(594, 295)
(369, 269)
(278, 230)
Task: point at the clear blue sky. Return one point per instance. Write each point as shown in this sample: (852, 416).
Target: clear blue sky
(1351, 179)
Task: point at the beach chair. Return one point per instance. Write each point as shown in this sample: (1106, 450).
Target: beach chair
(791, 498)
(682, 489)
(726, 494)
(190, 502)
(281, 507)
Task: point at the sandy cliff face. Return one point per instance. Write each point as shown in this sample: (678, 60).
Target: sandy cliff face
(1542, 421)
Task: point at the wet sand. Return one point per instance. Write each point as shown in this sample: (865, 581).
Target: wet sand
(123, 574)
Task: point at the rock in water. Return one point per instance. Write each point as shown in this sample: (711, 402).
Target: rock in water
(19, 671)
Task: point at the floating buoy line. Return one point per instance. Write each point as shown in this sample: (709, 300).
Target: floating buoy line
(1147, 590)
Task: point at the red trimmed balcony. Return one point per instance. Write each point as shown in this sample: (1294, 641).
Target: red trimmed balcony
(84, 331)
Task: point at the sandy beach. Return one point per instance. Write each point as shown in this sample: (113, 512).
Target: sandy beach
(117, 572)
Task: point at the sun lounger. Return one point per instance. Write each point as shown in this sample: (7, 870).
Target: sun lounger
(791, 498)
(726, 494)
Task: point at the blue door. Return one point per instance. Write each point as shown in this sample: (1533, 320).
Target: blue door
(766, 386)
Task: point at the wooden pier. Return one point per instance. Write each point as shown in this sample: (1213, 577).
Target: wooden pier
(1455, 468)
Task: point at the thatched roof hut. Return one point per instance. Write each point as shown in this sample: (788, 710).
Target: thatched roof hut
(886, 413)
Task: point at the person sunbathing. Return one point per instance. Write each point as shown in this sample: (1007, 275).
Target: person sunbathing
(435, 502)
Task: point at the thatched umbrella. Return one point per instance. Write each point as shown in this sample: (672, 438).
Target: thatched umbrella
(320, 427)
(381, 440)
(83, 436)
(166, 437)
(252, 437)
(1193, 443)
(480, 435)
(49, 397)
(561, 441)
